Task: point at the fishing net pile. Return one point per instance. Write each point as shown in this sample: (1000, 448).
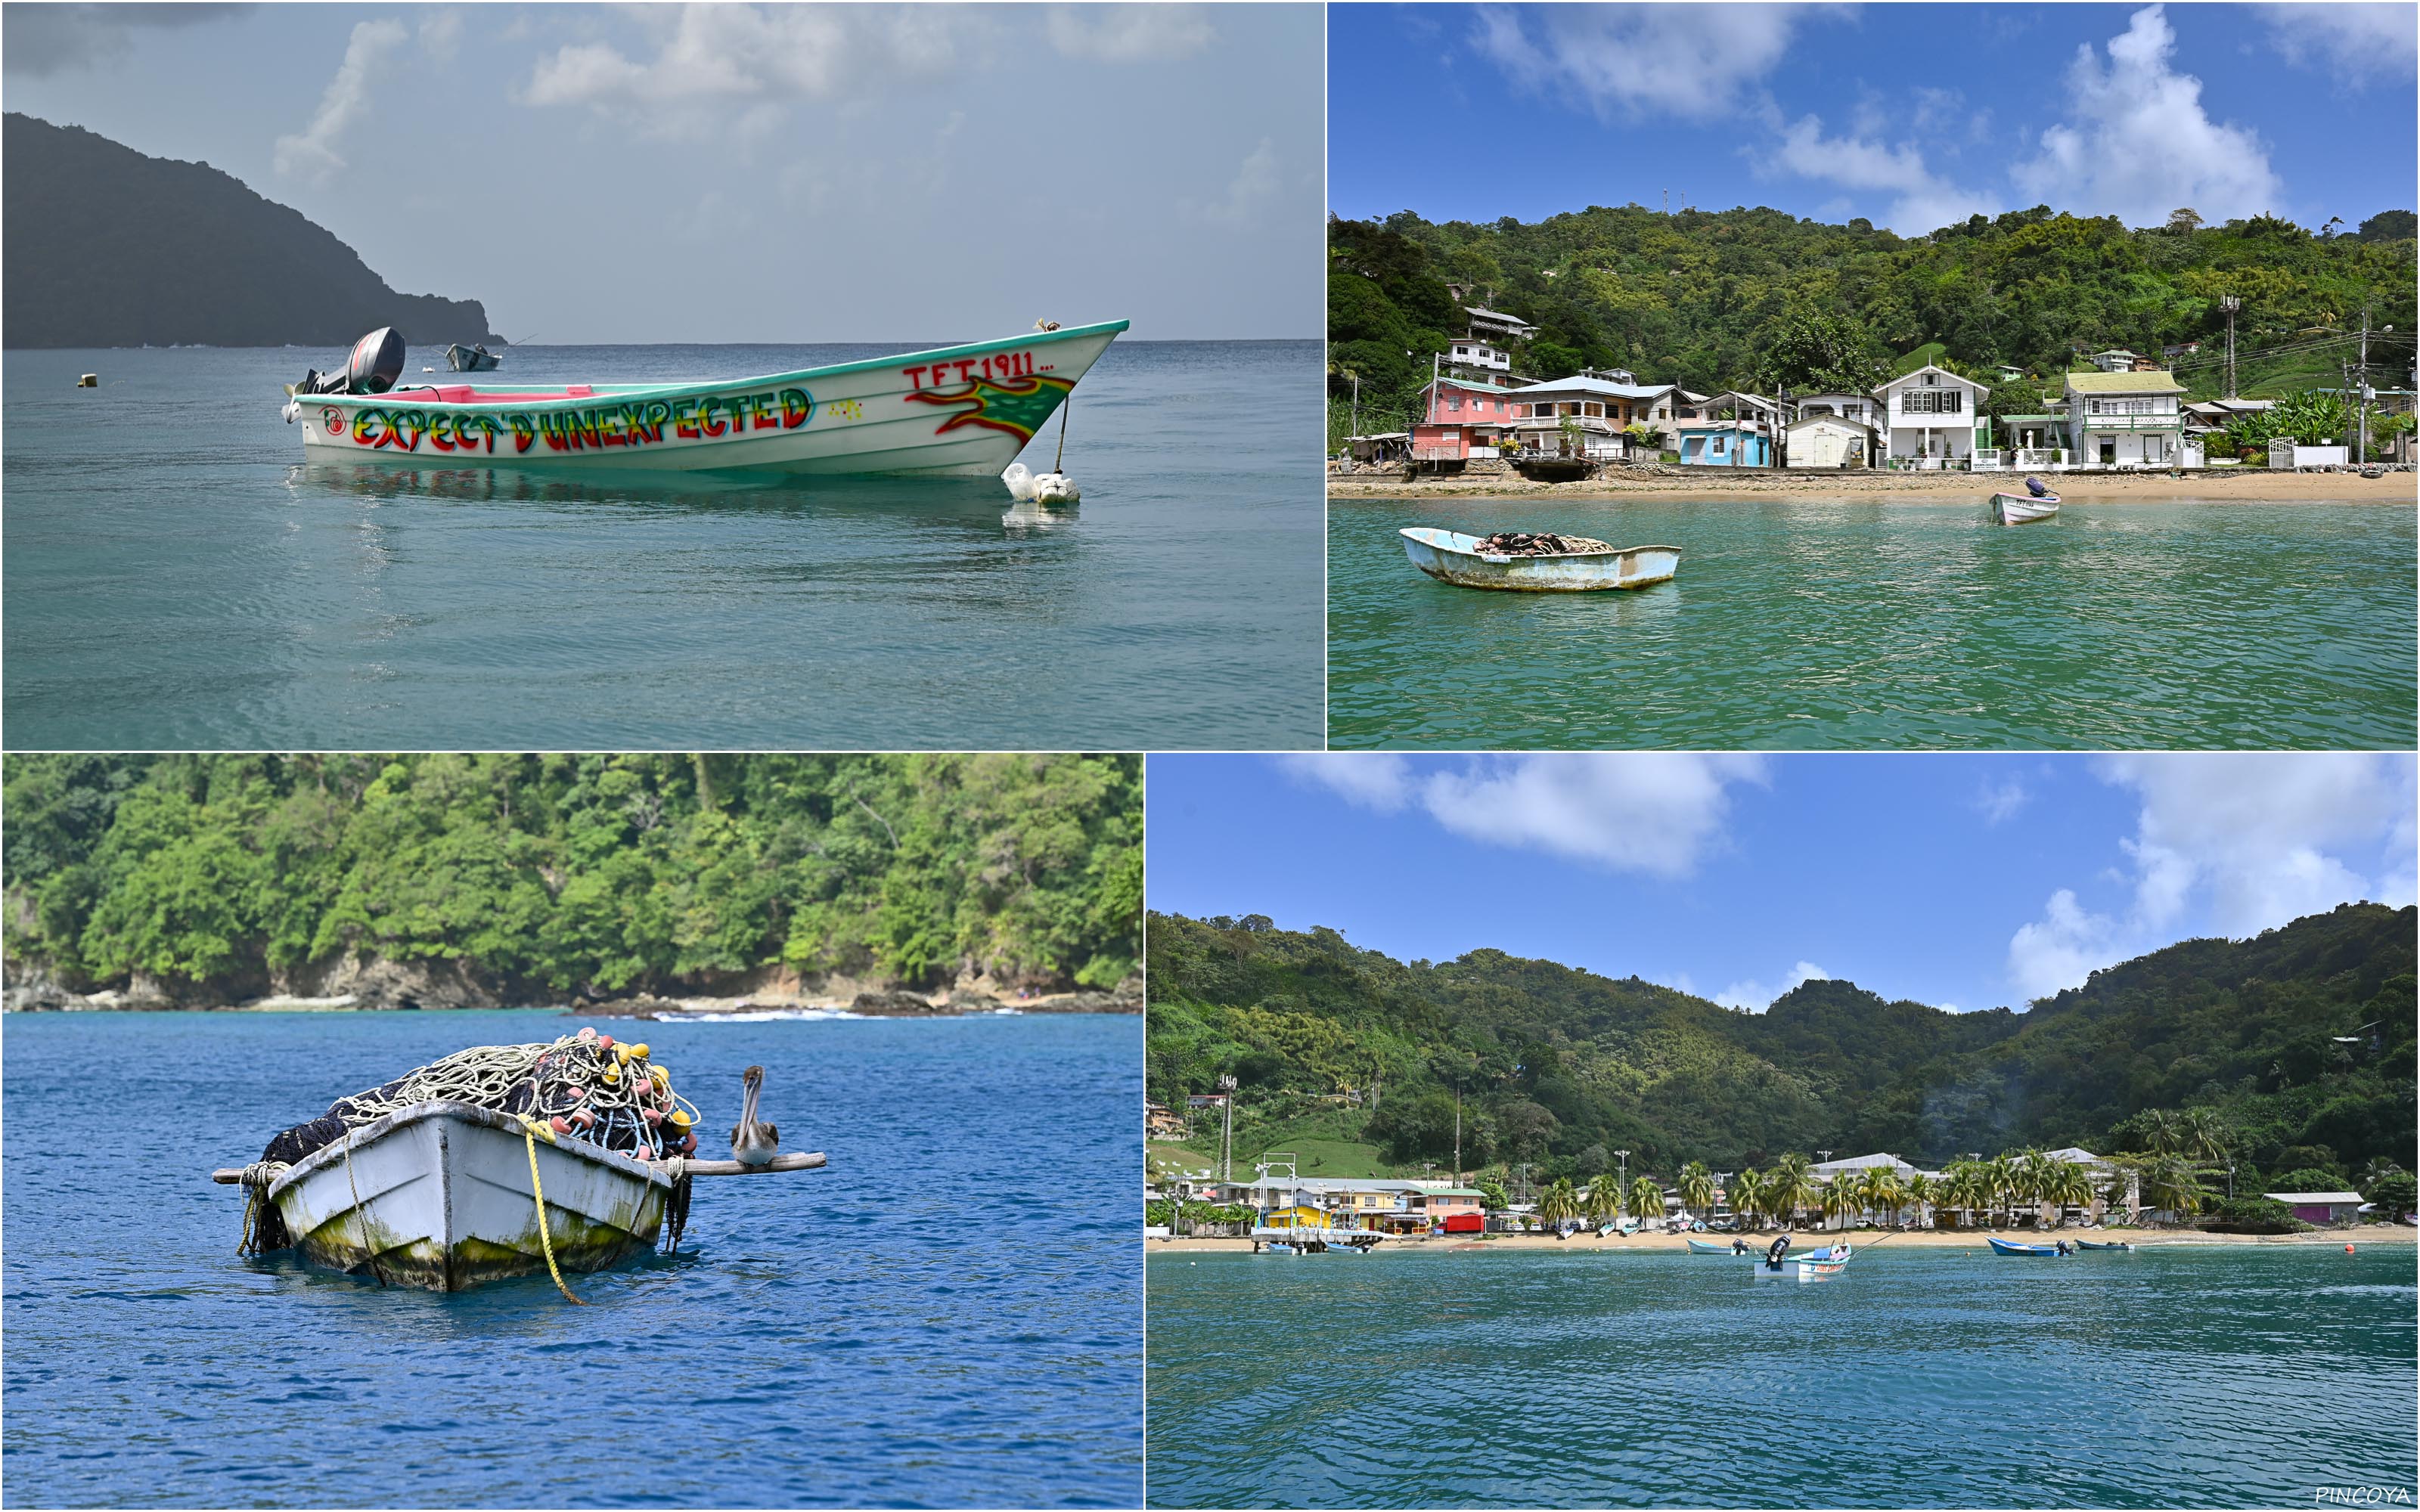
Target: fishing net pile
(584, 1087)
(1541, 544)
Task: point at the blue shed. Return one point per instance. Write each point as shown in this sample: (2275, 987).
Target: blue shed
(1724, 445)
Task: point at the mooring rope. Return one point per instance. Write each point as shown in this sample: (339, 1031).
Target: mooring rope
(530, 1128)
(361, 1211)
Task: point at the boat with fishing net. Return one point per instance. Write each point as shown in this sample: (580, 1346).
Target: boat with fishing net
(498, 1161)
(1524, 561)
(959, 411)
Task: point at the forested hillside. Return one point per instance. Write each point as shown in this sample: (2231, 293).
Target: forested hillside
(221, 877)
(1757, 297)
(1559, 1066)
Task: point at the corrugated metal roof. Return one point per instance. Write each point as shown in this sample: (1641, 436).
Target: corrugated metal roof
(2153, 382)
(1590, 385)
(2312, 1197)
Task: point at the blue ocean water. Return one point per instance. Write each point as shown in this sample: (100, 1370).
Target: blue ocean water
(177, 579)
(2206, 1377)
(949, 1315)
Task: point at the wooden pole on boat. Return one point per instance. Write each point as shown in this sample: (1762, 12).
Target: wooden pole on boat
(1063, 407)
(795, 1161)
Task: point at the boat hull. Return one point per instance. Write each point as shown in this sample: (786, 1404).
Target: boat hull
(1451, 556)
(2002, 1247)
(438, 1197)
(462, 359)
(962, 411)
(2021, 509)
(1698, 1246)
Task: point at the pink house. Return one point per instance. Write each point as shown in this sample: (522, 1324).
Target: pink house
(2320, 1208)
(1463, 420)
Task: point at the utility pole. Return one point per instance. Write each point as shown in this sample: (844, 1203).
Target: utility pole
(1227, 1135)
(2231, 304)
(1457, 1133)
(1357, 404)
(2360, 454)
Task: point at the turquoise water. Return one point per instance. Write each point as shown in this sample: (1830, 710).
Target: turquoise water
(949, 1315)
(2208, 1376)
(1897, 625)
(176, 577)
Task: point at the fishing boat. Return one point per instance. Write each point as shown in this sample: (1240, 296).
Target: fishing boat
(2004, 1247)
(439, 1196)
(2022, 509)
(2088, 1244)
(959, 411)
(1698, 1246)
(479, 359)
(1453, 557)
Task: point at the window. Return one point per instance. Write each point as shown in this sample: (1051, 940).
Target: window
(1595, 412)
(1938, 402)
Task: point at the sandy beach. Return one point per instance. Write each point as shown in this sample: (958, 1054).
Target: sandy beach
(1801, 1244)
(1966, 489)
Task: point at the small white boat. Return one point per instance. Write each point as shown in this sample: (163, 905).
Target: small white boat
(438, 1195)
(462, 359)
(2022, 509)
(960, 411)
(1451, 556)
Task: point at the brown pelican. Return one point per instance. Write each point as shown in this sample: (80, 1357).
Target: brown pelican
(753, 1143)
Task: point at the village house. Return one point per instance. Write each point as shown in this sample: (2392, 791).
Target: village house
(2322, 1207)
(1459, 420)
(1495, 327)
(2126, 419)
(1602, 408)
(1159, 1123)
(1858, 407)
(1932, 417)
(1725, 443)
(1820, 438)
(1481, 362)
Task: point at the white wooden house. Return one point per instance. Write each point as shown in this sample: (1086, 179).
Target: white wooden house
(2127, 419)
(1931, 416)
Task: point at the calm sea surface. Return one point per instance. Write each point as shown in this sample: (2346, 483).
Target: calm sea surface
(1889, 624)
(949, 1314)
(2210, 1377)
(176, 577)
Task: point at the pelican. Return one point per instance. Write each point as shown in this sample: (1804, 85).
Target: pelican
(753, 1143)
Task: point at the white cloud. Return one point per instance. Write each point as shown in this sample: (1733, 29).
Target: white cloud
(1642, 811)
(2137, 143)
(1129, 33)
(712, 60)
(2235, 844)
(2354, 43)
(1999, 801)
(1924, 203)
(1756, 998)
(312, 155)
(1690, 62)
(1254, 185)
(441, 33)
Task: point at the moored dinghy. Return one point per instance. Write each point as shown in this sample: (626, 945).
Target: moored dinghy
(2036, 503)
(476, 359)
(1466, 561)
(2004, 1247)
(961, 412)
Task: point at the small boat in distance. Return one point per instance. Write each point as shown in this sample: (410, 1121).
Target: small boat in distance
(2004, 1247)
(2037, 502)
(1453, 557)
(477, 359)
(2086, 1243)
(1698, 1246)
(959, 411)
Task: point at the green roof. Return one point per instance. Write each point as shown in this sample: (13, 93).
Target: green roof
(2154, 382)
(2034, 419)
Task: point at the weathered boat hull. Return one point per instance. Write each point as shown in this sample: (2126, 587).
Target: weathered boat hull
(438, 1195)
(962, 411)
(2003, 1246)
(1698, 1246)
(463, 359)
(2021, 509)
(1451, 556)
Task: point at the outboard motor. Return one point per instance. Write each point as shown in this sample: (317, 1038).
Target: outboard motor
(376, 363)
(1780, 1248)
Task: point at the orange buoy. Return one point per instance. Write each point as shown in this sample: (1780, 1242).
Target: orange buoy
(2348, 1249)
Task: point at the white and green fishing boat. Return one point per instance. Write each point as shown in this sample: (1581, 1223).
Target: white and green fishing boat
(959, 412)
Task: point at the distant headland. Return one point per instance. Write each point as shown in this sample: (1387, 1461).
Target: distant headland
(107, 247)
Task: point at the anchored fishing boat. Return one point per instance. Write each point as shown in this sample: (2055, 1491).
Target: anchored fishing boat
(1698, 1246)
(2005, 1246)
(477, 359)
(448, 1193)
(957, 411)
(1453, 557)
(2036, 503)
(2086, 1243)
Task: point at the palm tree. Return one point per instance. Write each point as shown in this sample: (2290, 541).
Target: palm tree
(1839, 1196)
(1557, 1203)
(1646, 1199)
(1748, 1196)
(1920, 1193)
(2170, 1181)
(2162, 1133)
(1883, 1192)
(2000, 1181)
(2205, 1137)
(1603, 1198)
(1787, 1187)
(1965, 1187)
(2069, 1183)
(1697, 1188)
(2034, 1171)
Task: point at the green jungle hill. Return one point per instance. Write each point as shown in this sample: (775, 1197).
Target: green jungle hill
(1757, 300)
(220, 878)
(1559, 1067)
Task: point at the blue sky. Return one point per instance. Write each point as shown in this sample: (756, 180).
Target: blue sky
(1961, 880)
(743, 173)
(1910, 116)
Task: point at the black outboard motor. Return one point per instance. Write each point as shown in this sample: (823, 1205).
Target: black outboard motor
(1780, 1248)
(376, 363)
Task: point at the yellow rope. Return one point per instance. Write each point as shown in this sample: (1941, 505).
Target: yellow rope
(537, 1194)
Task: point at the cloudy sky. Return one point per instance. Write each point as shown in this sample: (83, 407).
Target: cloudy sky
(1961, 880)
(741, 173)
(1912, 116)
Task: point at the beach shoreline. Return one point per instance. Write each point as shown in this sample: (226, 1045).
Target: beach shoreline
(1662, 486)
(1801, 1244)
